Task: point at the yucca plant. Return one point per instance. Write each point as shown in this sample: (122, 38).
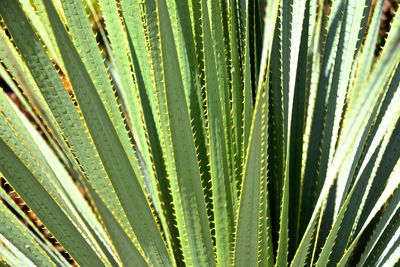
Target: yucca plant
(199, 133)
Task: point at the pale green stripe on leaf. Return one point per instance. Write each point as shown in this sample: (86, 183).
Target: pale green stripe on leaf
(385, 221)
(253, 184)
(20, 236)
(336, 240)
(291, 21)
(359, 108)
(236, 97)
(362, 107)
(44, 31)
(85, 43)
(134, 18)
(122, 62)
(59, 103)
(12, 256)
(129, 253)
(343, 69)
(218, 150)
(247, 85)
(27, 177)
(366, 56)
(111, 149)
(40, 239)
(186, 186)
(66, 186)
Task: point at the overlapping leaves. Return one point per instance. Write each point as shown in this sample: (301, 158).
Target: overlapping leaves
(199, 133)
